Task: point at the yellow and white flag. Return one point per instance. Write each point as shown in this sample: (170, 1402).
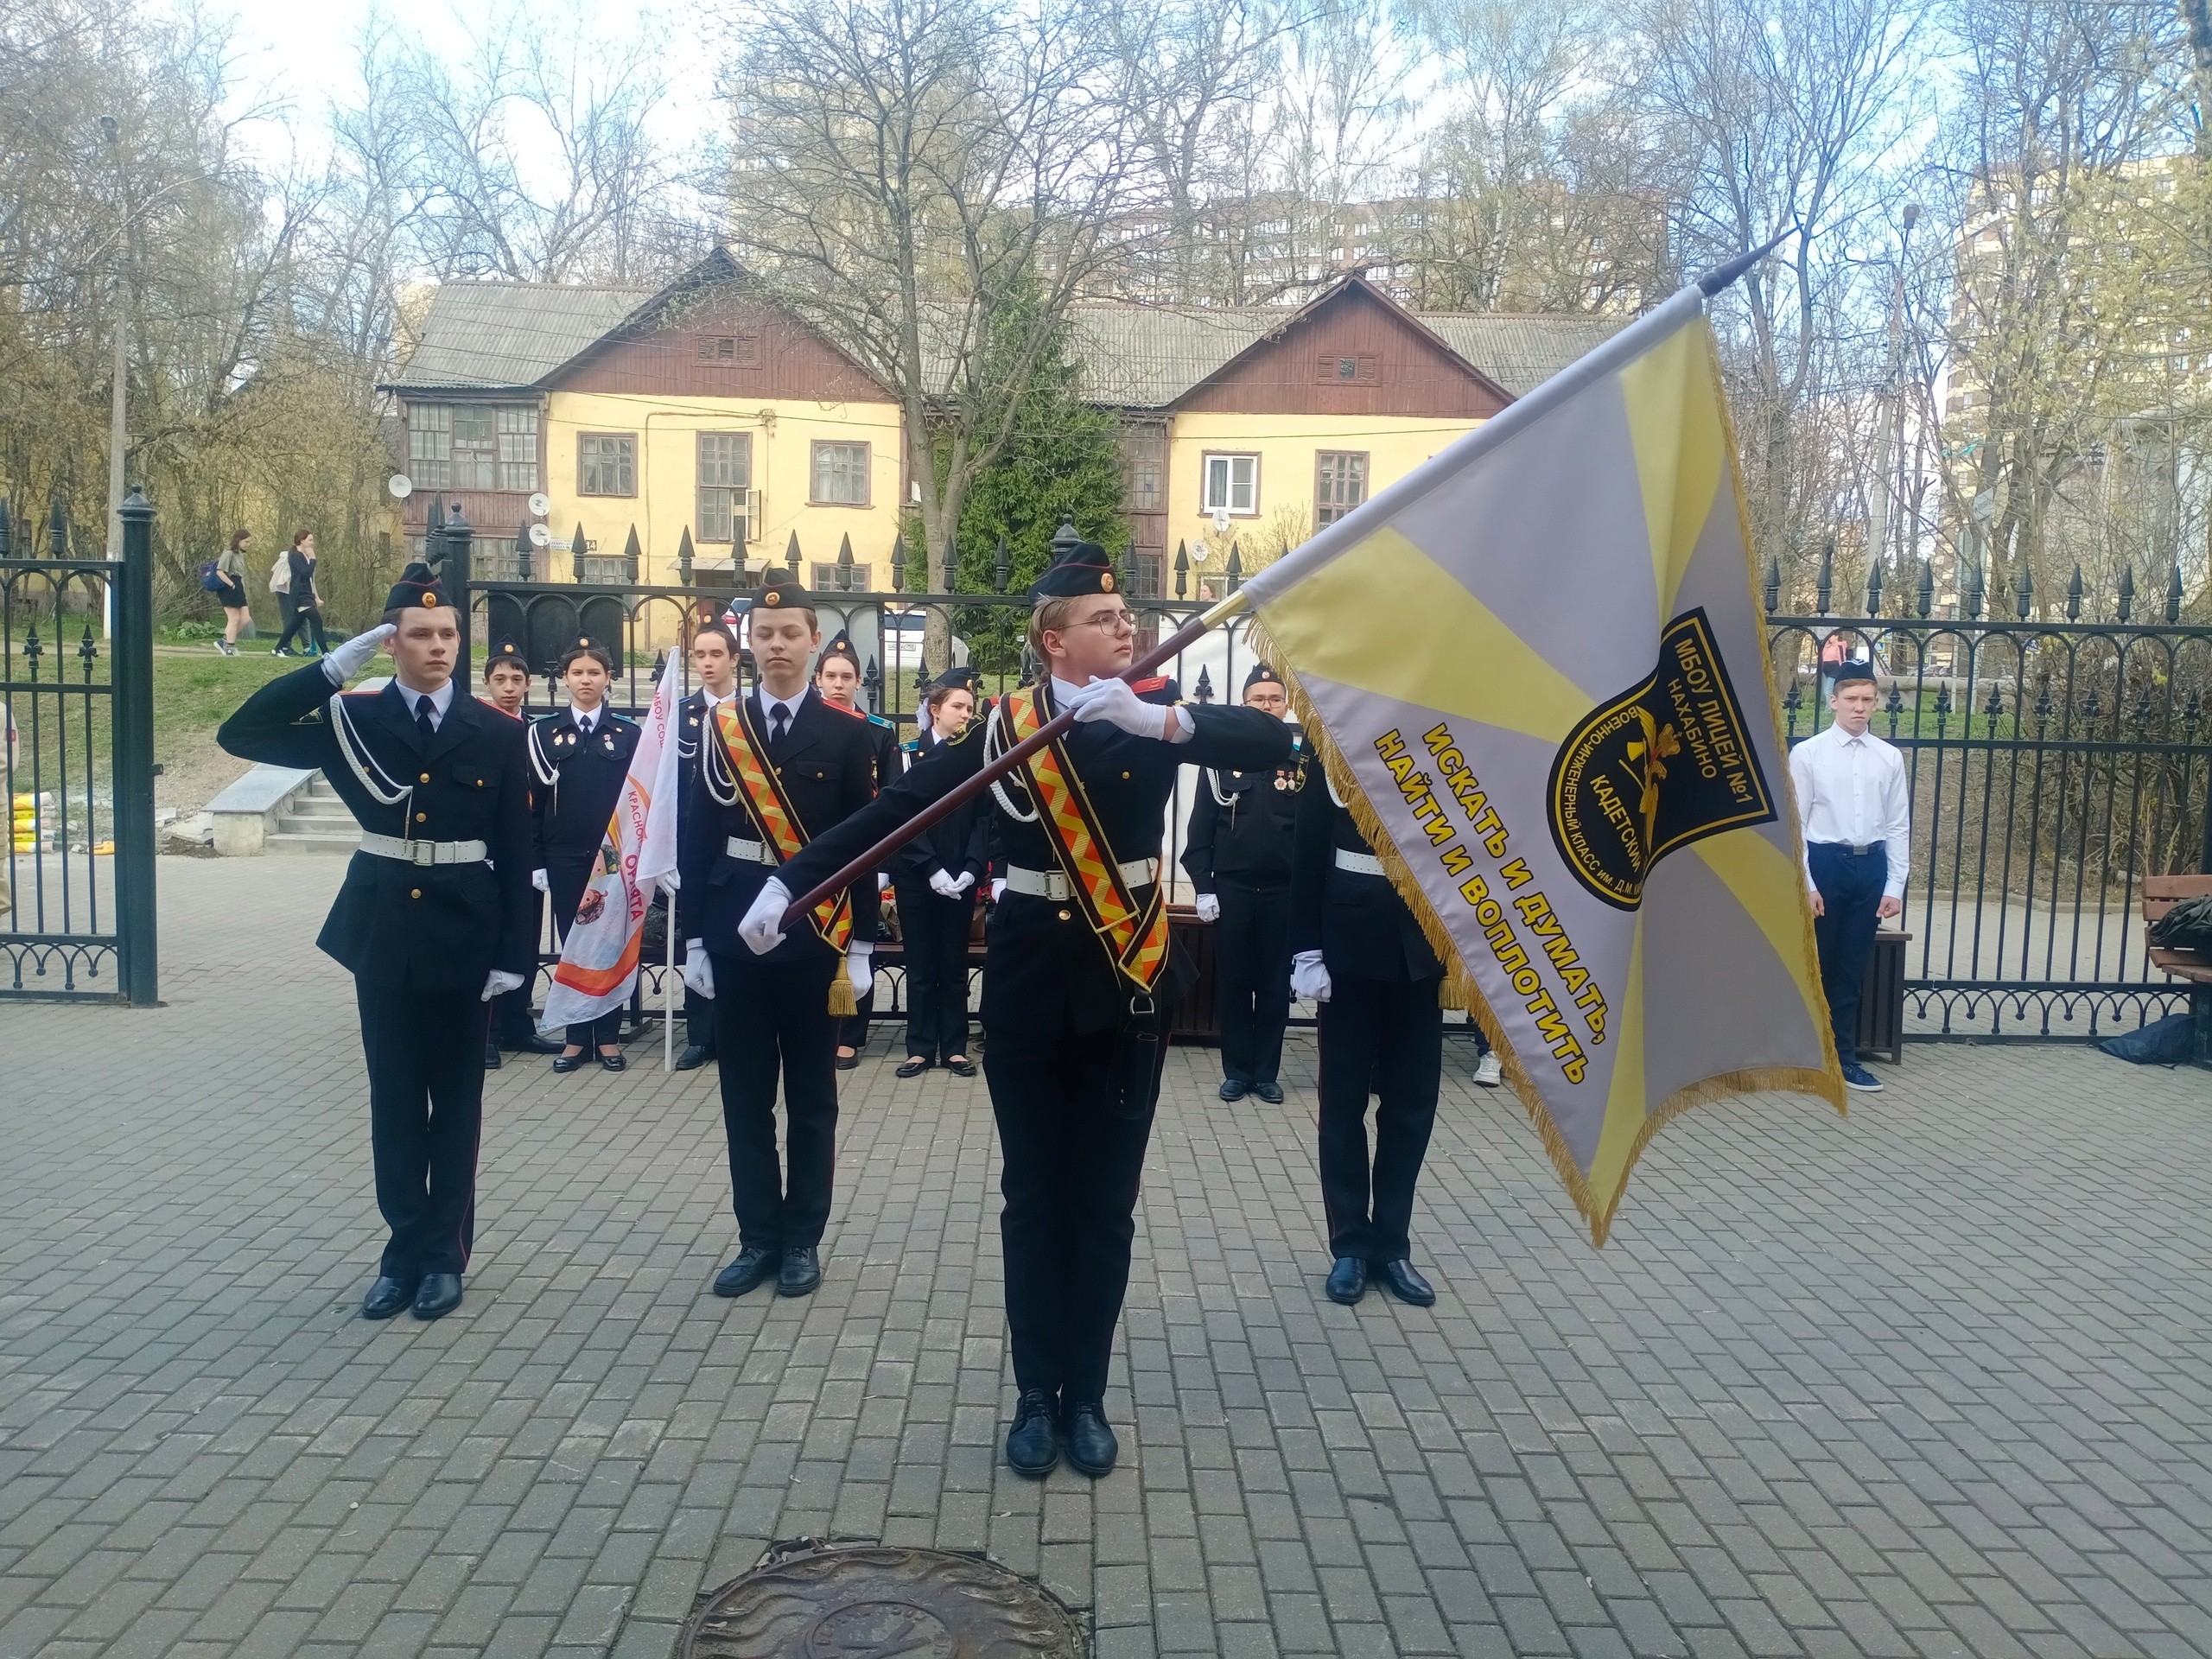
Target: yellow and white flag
(1537, 671)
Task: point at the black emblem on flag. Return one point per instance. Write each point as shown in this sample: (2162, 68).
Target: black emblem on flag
(1666, 763)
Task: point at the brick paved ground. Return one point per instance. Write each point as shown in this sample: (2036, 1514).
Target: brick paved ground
(1935, 1380)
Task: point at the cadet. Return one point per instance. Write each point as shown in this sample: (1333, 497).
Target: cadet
(433, 919)
(580, 757)
(1237, 852)
(777, 768)
(936, 876)
(837, 677)
(1075, 978)
(1358, 953)
(506, 684)
(714, 659)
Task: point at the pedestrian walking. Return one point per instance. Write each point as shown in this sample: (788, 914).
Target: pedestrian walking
(1856, 814)
(776, 768)
(938, 877)
(230, 592)
(1077, 972)
(714, 659)
(432, 919)
(837, 677)
(579, 758)
(1237, 850)
(1359, 954)
(304, 614)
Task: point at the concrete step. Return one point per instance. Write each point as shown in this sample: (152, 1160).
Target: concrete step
(290, 841)
(318, 810)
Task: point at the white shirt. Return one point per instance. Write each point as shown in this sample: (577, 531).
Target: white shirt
(1852, 790)
(441, 700)
(584, 719)
(769, 705)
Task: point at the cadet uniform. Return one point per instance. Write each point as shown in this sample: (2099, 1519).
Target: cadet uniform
(933, 928)
(579, 760)
(1074, 1050)
(512, 1026)
(698, 1011)
(1237, 851)
(773, 1014)
(890, 761)
(434, 903)
(1382, 1032)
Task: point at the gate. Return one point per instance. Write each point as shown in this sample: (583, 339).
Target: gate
(2053, 764)
(77, 755)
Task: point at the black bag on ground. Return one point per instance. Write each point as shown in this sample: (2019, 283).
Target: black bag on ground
(2187, 926)
(2163, 1042)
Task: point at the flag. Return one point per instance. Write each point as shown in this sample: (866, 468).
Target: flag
(599, 957)
(1536, 671)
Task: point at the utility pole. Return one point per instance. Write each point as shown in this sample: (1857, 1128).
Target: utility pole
(1891, 440)
(117, 429)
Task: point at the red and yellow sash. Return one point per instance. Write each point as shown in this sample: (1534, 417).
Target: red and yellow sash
(774, 815)
(1134, 936)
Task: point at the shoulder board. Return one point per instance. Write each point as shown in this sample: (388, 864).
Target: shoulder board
(839, 708)
(878, 720)
(1156, 683)
(973, 729)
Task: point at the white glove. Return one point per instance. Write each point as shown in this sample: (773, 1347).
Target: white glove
(883, 881)
(698, 971)
(857, 968)
(1113, 701)
(998, 889)
(762, 930)
(1209, 907)
(1308, 978)
(943, 884)
(967, 881)
(499, 983)
(344, 662)
(539, 879)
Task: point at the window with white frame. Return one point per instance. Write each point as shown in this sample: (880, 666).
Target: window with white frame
(725, 476)
(1230, 485)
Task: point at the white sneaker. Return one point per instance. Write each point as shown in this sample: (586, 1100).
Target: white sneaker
(1487, 1072)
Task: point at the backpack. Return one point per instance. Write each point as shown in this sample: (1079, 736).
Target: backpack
(279, 574)
(2187, 926)
(209, 580)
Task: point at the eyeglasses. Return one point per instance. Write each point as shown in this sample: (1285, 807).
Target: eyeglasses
(1112, 621)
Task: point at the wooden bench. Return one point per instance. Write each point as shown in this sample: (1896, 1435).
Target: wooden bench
(2160, 894)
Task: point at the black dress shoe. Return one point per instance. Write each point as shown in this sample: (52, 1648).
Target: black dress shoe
(912, 1066)
(1235, 1088)
(1270, 1092)
(1399, 1278)
(694, 1056)
(386, 1297)
(531, 1045)
(565, 1063)
(1347, 1280)
(752, 1265)
(1032, 1443)
(438, 1296)
(961, 1068)
(614, 1062)
(848, 1062)
(491, 1057)
(801, 1272)
(1091, 1446)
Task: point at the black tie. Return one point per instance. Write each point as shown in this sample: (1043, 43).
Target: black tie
(422, 722)
(781, 718)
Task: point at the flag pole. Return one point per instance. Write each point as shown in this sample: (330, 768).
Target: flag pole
(668, 991)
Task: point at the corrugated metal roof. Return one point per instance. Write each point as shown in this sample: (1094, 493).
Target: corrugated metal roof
(1520, 352)
(1146, 357)
(488, 336)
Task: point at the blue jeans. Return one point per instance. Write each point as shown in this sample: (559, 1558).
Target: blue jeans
(1849, 886)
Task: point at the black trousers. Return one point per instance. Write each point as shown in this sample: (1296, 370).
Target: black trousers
(698, 1019)
(425, 1051)
(772, 1020)
(305, 620)
(1850, 888)
(569, 877)
(513, 1023)
(936, 930)
(1069, 1171)
(1385, 1038)
(1251, 965)
(852, 1028)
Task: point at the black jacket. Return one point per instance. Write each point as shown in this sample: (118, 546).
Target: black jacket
(963, 840)
(1244, 824)
(416, 927)
(827, 763)
(883, 741)
(1357, 921)
(1043, 958)
(579, 782)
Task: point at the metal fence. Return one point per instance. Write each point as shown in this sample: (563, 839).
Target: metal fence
(76, 679)
(2053, 765)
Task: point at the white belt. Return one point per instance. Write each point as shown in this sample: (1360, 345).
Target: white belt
(751, 852)
(1358, 863)
(1053, 884)
(424, 852)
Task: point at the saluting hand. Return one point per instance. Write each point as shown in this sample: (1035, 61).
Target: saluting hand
(343, 663)
(1113, 702)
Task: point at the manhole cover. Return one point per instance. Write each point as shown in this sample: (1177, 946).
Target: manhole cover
(876, 1602)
